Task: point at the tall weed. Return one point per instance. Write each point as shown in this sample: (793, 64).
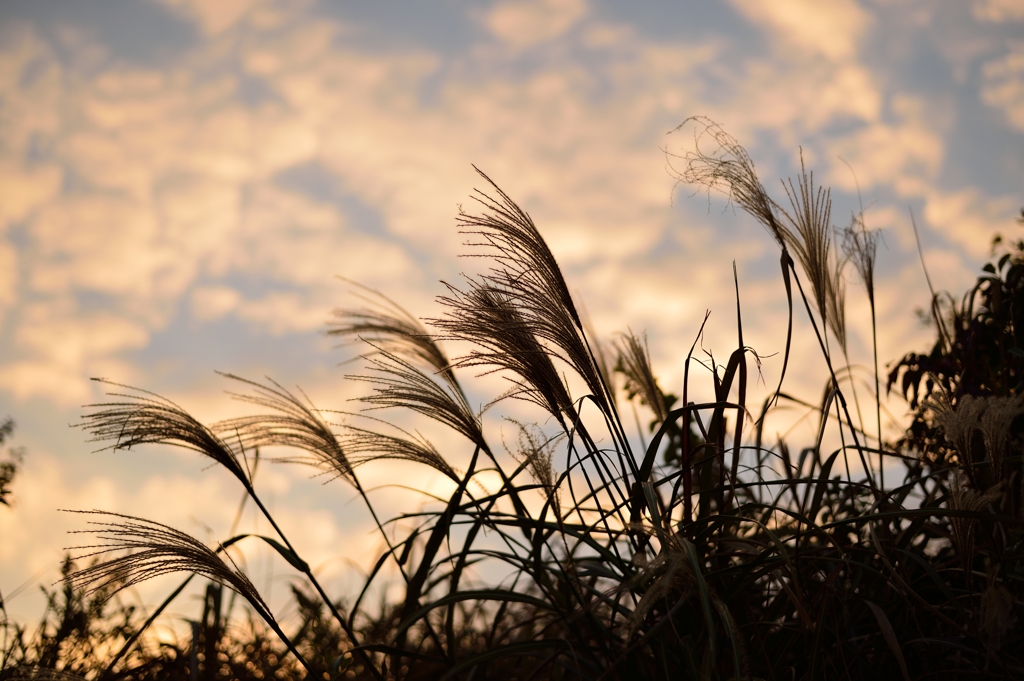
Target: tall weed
(701, 553)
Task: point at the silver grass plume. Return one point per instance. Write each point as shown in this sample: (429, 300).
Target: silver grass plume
(860, 246)
(488, 318)
(525, 277)
(718, 162)
(151, 549)
(400, 346)
(388, 327)
(398, 383)
(147, 418)
(809, 237)
(604, 365)
(963, 498)
(992, 416)
(959, 423)
(292, 423)
(634, 361)
(376, 446)
(670, 570)
(536, 450)
(995, 426)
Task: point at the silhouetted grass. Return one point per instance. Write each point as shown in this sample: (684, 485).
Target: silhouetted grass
(704, 553)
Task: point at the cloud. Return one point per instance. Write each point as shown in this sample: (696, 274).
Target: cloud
(108, 245)
(60, 348)
(905, 154)
(794, 99)
(522, 23)
(832, 30)
(213, 302)
(201, 179)
(33, 94)
(215, 17)
(970, 219)
(23, 189)
(281, 313)
(1003, 85)
(8, 276)
(998, 11)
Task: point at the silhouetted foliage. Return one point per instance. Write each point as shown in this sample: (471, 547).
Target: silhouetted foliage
(10, 461)
(698, 552)
(978, 350)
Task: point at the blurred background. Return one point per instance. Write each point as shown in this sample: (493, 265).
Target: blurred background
(182, 181)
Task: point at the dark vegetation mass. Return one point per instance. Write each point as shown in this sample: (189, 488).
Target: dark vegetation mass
(696, 550)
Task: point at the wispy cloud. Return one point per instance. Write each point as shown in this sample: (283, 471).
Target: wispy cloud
(1003, 86)
(832, 31)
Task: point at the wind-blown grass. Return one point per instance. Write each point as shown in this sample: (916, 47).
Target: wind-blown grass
(701, 553)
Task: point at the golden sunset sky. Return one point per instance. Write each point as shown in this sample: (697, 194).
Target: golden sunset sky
(182, 181)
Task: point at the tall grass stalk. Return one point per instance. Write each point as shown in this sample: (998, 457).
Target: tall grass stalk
(701, 554)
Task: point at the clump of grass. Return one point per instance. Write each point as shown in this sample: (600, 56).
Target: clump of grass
(693, 550)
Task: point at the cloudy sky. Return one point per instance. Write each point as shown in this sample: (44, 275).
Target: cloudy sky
(181, 183)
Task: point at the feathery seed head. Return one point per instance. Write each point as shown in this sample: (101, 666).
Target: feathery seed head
(377, 446)
(292, 423)
(388, 327)
(860, 246)
(718, 162)
(150, 549)
(537, 450)
(145, 418)
(524, 296)
(809, 236)
(634, 362)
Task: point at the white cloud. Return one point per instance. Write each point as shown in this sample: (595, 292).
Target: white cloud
(970, 219)
(215, 17)
(832, 30)
(795, 99)
(905, 155)
(108, 245)
(32, 90)
(8, 276)
(1003, 86)
(214, 302)
(61, 348)
(522, 23)
(22, 190)
(599, 197)
(998, 11)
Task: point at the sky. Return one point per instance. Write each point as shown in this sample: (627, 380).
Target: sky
(182, 183)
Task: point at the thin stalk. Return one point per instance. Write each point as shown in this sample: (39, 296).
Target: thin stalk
(853, 388)
(618, 429)
(686, 463)
(943, 333)
(135, 637)
(361, 654)
(835, 381)
(291, 646)
(741, 396)
(878, 393)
